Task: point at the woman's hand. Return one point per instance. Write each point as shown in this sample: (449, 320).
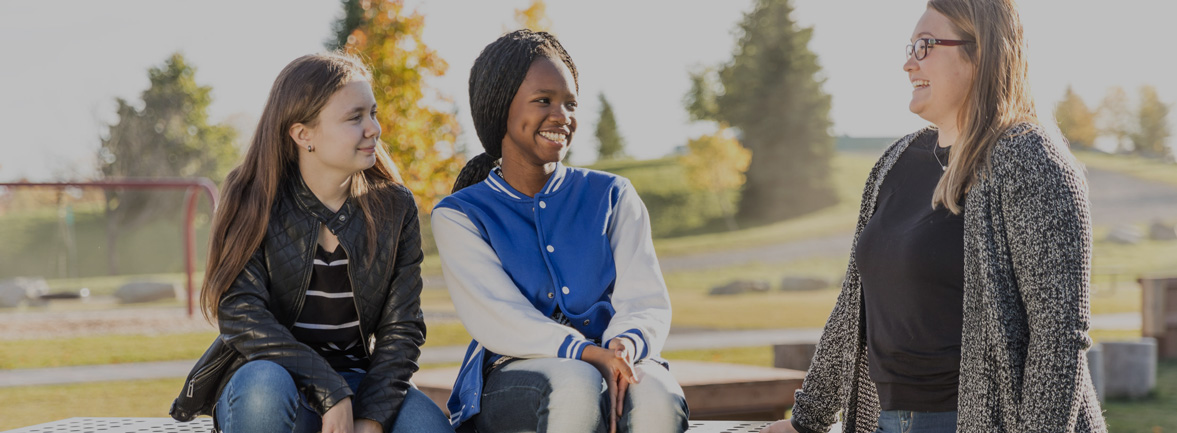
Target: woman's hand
(782, 426)
(616, 366)
(338, 419)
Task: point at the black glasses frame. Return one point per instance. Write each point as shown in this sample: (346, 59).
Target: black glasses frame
(919, 49)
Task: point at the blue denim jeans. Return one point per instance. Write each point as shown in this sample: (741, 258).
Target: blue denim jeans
(569, 396)
(905, 421)
(262, 397)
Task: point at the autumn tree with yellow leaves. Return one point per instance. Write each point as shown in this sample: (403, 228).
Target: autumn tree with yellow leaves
(1076, 121)
(534, 17)
(716, 163)
(420, 138)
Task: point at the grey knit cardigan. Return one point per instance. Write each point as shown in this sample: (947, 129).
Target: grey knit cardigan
(1027, 261)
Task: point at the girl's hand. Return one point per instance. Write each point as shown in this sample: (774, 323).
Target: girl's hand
(623, 349)
(364, 425)
(338, 419)
(782, 426)
(616, 367)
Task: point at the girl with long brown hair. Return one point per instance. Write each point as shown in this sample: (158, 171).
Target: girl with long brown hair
(965, 304)
(314, 271)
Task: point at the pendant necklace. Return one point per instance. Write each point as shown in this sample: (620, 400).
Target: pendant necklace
(935, 147)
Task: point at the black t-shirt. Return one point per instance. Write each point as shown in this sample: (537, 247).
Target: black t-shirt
(911, 260)
(329, 321)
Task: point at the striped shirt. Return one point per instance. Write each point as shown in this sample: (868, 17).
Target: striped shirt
(329, 322)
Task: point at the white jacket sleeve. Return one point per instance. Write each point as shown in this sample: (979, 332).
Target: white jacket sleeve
(488, 303)
(640, 298)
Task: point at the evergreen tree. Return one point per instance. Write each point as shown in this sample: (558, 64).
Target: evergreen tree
(169, 137)
(1076, 121)
(1153, 130)
(770, 91)
(348, 21)
(612, 145)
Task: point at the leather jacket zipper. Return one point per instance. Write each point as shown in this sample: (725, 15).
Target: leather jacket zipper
(306, 282)
(354, 298)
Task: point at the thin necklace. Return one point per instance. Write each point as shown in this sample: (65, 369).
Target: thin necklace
(935, 147)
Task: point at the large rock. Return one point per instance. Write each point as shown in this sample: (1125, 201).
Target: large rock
(740, 286)
(795, 356)
(1159, 231)
(1129, 368)
(1126, 234)
(16, 291)
(144, 291)
(800, 284)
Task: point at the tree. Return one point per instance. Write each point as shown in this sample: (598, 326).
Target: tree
(1076, 121)
(612, 145)
(716, 163)
(770, 91)
(1153, 125)
(535, 17)
(352, 17)
(169, 137)
(1114, 118)
(419, 138)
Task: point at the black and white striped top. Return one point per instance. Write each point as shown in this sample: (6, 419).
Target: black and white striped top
(329, 322)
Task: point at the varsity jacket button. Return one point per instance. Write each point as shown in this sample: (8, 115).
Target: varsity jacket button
(551, 295)
(543, 205)
(586, 322)
(565, 290)
(550, 249)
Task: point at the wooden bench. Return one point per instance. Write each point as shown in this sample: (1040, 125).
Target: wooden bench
(714, 391)
(204, 425)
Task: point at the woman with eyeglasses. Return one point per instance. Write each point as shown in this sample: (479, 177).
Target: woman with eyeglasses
(965, 305)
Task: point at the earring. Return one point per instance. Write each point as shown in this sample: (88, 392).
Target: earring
(310, 149)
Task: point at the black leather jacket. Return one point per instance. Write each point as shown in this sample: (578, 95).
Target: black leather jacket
(258, 310)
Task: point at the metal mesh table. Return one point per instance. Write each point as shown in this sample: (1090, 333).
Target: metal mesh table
(204, 425)
(120, 425)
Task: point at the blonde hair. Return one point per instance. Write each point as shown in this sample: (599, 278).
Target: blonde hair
(999, 96)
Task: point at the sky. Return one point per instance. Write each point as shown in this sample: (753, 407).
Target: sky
(65, 62)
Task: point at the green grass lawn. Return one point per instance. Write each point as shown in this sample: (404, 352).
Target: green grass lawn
(1143, 168)
(25, 406)
(850, 172)
(1155, 414)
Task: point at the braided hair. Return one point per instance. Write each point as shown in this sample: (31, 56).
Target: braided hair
(494, 79)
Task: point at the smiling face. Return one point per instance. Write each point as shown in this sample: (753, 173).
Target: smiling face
(344, 136)
(942, 80)
(542, 117)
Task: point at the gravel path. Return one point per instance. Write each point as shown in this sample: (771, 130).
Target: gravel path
(115, 320)
(34, 324)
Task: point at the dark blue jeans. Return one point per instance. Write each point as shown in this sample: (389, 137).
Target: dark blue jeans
(905, 421)
(569, 396)
(261, 397)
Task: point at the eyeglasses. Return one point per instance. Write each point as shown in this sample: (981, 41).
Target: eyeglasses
(922, 45)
